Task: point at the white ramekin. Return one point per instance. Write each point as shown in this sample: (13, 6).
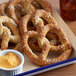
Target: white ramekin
(13, 71)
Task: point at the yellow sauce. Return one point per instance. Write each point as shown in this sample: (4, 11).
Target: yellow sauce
(9, 60)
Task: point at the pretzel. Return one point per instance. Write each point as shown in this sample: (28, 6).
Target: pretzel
(41, 59)
(5, 33)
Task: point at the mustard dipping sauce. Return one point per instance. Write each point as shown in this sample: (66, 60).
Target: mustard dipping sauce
(9, 60)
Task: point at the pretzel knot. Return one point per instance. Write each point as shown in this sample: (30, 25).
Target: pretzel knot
(8, 32)
(41, 59)
(43, 42)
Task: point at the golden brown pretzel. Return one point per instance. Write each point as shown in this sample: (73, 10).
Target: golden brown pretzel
(5, 33)
(41, 59)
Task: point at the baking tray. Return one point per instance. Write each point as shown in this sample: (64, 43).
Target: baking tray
(30, 69)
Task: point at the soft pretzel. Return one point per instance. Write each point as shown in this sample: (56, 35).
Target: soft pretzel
(5, 32)
(41, 59)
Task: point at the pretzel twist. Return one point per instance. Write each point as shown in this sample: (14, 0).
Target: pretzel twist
(41, 59)
(43, 42)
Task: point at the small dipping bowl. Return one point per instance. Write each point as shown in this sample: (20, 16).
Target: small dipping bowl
(12, 71)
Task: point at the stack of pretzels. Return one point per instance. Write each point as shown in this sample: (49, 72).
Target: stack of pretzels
(30, 25)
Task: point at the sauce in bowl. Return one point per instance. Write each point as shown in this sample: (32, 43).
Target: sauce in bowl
(9, 60)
